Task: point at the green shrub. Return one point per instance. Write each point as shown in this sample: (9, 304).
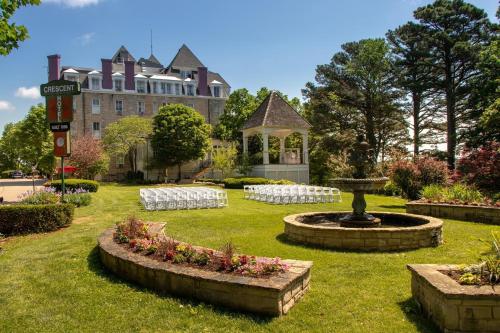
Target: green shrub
(41, 198)
(238, 183)
(456, 193)
(390, 189)
(74, 184)
(435, 193)
(23, 219)
(6, 174)
(78, 199)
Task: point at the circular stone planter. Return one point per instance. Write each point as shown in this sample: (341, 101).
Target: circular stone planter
(398, 231)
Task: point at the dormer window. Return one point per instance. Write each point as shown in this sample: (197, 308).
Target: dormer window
(216, 88)
(95, 79)
(141, 86)
(216, 91)
(117, 82)
(177, 88)
(119, 59)
(185, 74)
(154, 88)
(190, 90)
(96, 83)
(71, 75)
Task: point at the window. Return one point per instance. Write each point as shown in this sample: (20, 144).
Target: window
(119, 106)
(119, 59)
(155, 88)
(169, 88)
(177, 89)
(140, 108)
(96, 130)
(70, 77)
(190, 90)
(118, 85)
(163, 88)
(120, 162)
(185, 74)
(141, 86)
(96, 105)
(96, 83)
(216, 91)
(74, 103)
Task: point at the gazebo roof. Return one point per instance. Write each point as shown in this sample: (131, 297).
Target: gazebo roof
(274, 111)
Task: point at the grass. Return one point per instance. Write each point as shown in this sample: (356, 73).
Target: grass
(55, 283)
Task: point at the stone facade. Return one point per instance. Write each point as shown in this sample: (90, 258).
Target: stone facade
(458, 212)
(273, 296)
(428, 234)
(454, 307)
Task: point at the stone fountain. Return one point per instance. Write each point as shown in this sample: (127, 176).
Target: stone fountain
(359, 229)
(361, 158)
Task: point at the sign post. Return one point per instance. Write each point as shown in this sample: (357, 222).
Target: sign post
(59, 103)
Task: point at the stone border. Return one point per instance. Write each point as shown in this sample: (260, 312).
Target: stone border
(459, 212)
(366, 239)
(273, 295)
(454, 307)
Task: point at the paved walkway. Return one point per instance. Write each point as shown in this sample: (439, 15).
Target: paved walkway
(11, 188)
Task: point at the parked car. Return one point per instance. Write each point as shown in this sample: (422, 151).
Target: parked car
(17, 174)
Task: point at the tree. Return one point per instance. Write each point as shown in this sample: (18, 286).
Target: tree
(12, 34)
(123, 137)
(36, 146)
(9, 148)
(359, 83)
(180, 135)
(224, 159)
(456, 32)
(89, 157)
(415, 77)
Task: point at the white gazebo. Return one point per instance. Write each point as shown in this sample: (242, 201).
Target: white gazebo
(275, 117)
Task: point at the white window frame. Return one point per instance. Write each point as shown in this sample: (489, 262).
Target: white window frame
(72, 77)
(142, 81)
(177, 89)
(96, 133)
(122, 84)
(96, 108)
(141, 108)
(99, 80)
(119, 112)
(163, 87)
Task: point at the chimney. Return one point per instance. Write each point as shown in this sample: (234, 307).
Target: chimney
(129, 75)
(202, 81)
(54, 71)
(106, 74)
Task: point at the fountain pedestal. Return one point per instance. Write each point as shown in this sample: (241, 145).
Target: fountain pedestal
(359, 218)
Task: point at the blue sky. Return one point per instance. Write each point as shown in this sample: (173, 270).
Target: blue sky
(273, 43)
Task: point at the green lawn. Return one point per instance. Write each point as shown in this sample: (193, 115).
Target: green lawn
(55, 282)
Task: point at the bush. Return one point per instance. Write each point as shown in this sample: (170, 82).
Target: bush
(23, 219)
(40, 198)
(238, 183)
(134, 176)
(74, 184)
(390, 189)
(458, 193)
(411, 177)
(480, 167)
(6, 174)
(78, 199)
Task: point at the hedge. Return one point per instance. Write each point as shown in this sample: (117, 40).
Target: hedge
(240, 182)
(73, 184)
(23, 219)
(6, 174)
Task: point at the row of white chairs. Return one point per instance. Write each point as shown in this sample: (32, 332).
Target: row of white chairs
(292, 194)
(172, 198)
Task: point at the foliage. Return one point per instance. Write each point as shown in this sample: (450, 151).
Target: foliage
(12, 34)
(44, 197)
(240, 182)
(456, 32)
(457, 193)
(410, 176)
(23, 219)
(390, 189)
(480, 167)
(224, 159)
(180, 135)
(28, 143)
(6, 174)
(74, 184)
(355, 91)
(123, 137)
(88, 156)
(244, 167)
(488, 267)
(77, 198)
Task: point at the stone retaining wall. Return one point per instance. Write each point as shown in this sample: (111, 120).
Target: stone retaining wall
(454, 307)
(273, 295)
(367, 239)
(459, 212)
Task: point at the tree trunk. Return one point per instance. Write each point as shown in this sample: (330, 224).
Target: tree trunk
(416, 124)
(179, 175)
(131, 159)
(451, 135)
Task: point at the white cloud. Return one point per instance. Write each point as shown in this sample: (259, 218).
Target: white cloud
(86, 38)
(30, 93)
(74, 3)
(6, 106)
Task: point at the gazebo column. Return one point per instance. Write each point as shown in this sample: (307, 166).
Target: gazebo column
(305, 148)
(282, 150)
(265, 152)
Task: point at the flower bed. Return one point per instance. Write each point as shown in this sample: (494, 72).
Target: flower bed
(73, 184)
(484, 214)
(248, 283)
(452, 306)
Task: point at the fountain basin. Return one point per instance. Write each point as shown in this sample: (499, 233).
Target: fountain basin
(397, 231)
(355, 185)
